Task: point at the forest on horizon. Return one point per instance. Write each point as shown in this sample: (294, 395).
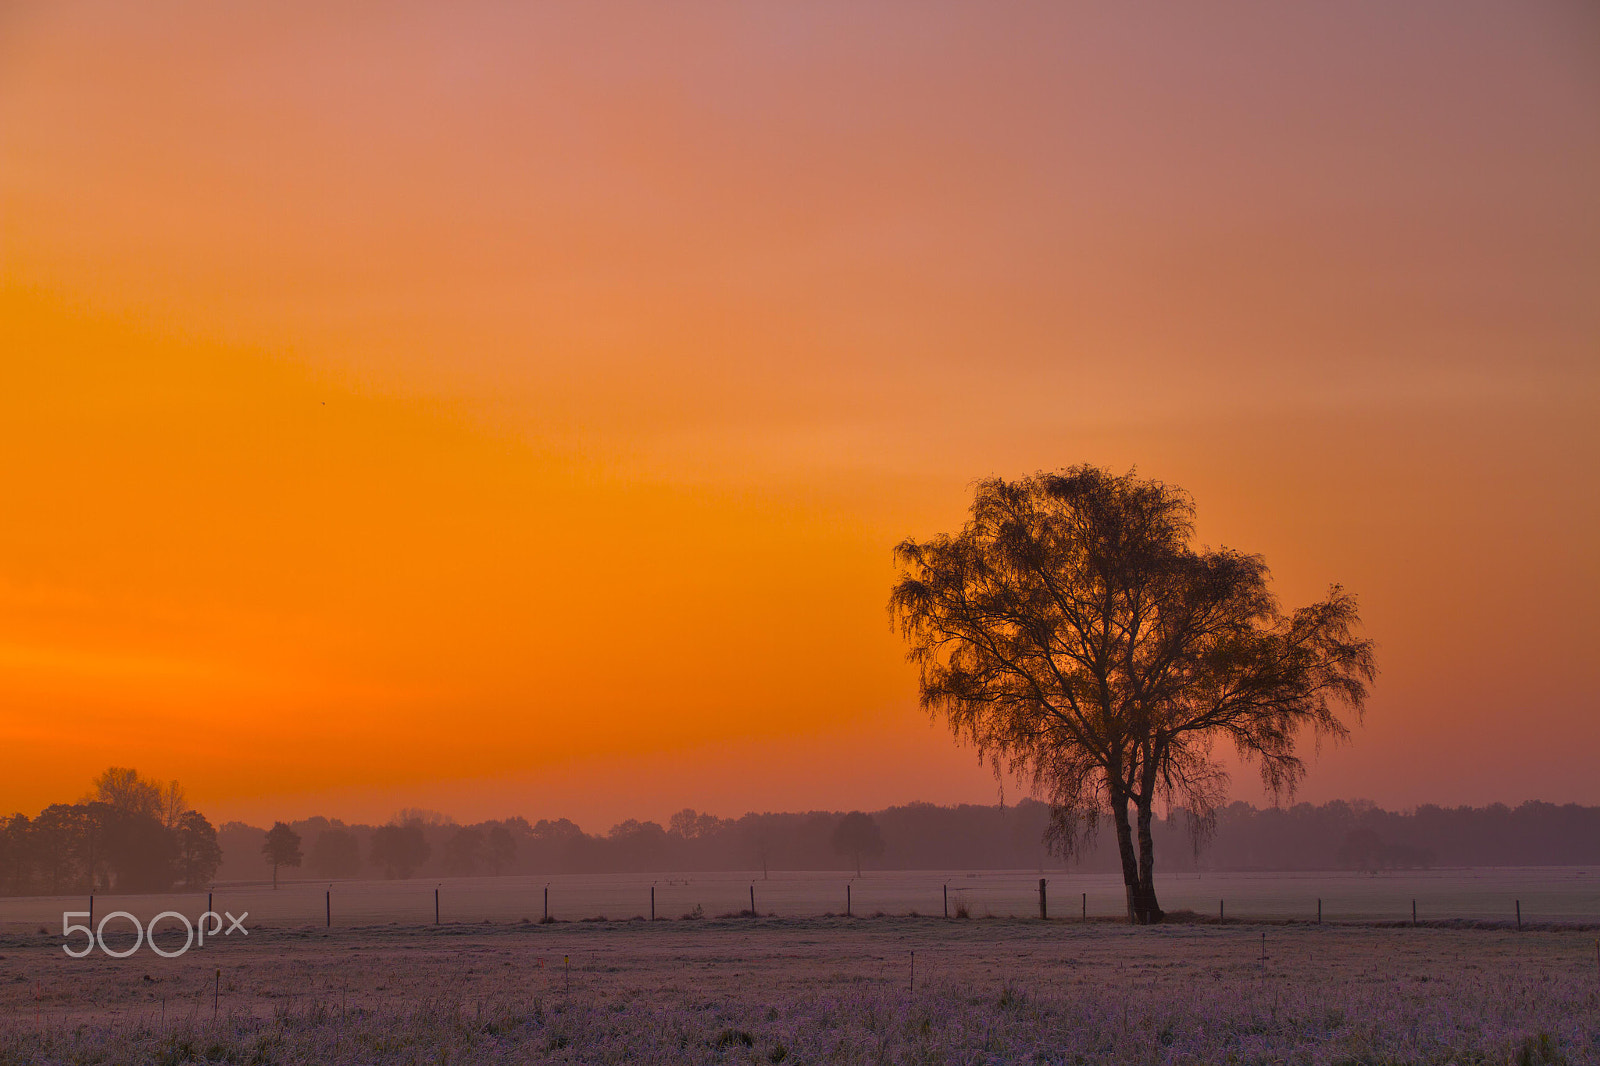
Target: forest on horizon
(1338, 835)
(131, 834)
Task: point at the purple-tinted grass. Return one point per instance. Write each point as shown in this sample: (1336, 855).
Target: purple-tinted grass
(826, 991)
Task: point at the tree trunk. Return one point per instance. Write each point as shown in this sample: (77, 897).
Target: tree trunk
(1130, 861)
(274, 877)
(1150, 910)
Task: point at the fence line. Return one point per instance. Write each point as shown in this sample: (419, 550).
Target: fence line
(568, 899)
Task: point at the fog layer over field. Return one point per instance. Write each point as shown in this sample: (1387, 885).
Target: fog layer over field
(923, 836)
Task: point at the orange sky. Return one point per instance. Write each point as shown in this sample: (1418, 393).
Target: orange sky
(509, 408)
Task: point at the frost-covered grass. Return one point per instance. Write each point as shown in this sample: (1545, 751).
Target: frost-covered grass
(827, 990)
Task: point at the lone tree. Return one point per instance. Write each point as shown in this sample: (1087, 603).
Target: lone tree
(1075, 637)
(857, 837)
(199, 854)
(282, 848)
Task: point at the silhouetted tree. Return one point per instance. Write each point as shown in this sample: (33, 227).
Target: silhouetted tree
(64, 846)
(464, 851)
(399, 849)
(692, 825)
(502, 849)
(199, 854)
(281, 849)
(757, 833)
(16, 854)
(1073, 635)
(336, 853)
(1361, 849)
(124, 789)
(633, 844)
(138, 852)
(857, 837)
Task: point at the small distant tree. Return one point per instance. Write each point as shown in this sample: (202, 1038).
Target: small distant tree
(16, 854)
(690, 824)
(632, 844)
(857, 837)
(336, 853)
(134, 850)
(1361, 849)
(199, 854)
(757, 836)
(62, 843)
(464, 851)
(123, 788)
(174, 804)
(282, 848)
(399, 849)
(502, 850)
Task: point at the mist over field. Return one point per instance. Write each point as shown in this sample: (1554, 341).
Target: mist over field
(1333, 836)
(45, 855)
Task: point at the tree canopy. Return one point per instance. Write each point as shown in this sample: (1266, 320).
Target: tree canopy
(857, 837)
(1074, 635)
(399, 849)
(282, 848)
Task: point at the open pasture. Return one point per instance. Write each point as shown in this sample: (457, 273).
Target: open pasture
(800, 990)
(1564, 895)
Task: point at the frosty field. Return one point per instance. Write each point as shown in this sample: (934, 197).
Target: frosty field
(804, 990)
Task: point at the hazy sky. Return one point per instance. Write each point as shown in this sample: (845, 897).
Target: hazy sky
(509, 408)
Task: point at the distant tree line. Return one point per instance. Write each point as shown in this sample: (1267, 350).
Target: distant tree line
(1333, 836)
(127, 835)
(130, 834)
